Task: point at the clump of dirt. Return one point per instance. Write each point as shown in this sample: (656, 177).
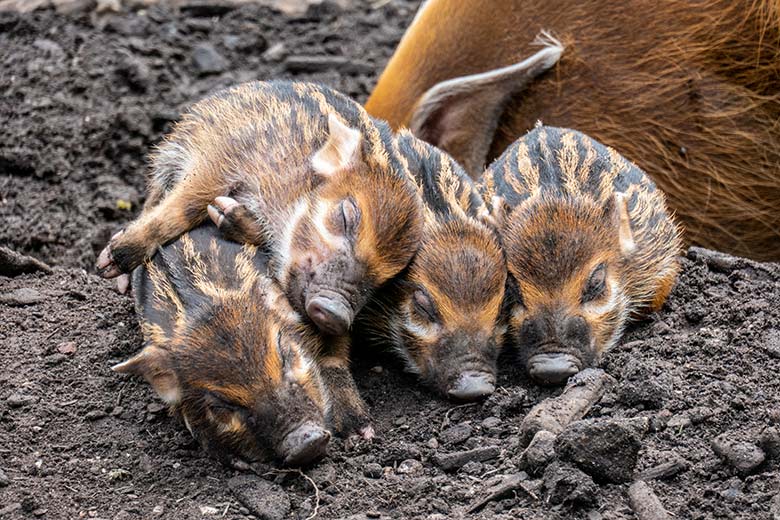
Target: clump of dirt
(690, 399)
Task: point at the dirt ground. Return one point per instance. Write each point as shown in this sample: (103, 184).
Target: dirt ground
(83, 98)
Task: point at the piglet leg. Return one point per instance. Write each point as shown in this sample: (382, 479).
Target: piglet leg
(348, 414)
(236, 222)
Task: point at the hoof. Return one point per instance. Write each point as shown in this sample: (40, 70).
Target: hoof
(221, 209)
(106, 267)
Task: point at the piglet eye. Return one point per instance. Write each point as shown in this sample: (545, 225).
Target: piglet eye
(596, 284)
(424, 307)
(348, 217)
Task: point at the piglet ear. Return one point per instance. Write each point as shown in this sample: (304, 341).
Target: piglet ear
(153, 364)
(340, 151)
(625, 233)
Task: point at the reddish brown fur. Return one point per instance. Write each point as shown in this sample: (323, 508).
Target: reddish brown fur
(690, 91)
(223, 347)
(292, 154)
(588, 239)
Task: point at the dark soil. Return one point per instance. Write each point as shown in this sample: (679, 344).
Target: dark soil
(82, 101)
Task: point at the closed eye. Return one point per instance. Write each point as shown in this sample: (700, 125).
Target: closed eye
(424, 306)
(596, 285)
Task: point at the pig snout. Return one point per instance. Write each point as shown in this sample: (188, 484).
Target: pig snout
(304, 444)
(330, 313)
(472, 386)
(553, 368)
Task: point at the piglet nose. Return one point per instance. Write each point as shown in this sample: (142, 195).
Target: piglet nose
(331, 316)
(472, 386)
(553, 368)
(304, 444)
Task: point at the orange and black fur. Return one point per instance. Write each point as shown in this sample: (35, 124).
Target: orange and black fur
(688, 90)
(442, 314)
(589, 244)
(323, 186)
(224, 349)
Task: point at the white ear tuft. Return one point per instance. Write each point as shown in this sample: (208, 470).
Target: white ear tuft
(340, 151)
(497, 214)
(625, 234)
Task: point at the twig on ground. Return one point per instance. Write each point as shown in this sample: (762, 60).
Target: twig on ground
(309, 479)
(446, 420)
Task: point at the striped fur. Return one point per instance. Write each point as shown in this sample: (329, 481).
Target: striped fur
(565, 204)
(458, 271)
(223, 347)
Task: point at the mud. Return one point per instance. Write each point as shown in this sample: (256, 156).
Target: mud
(84, 98)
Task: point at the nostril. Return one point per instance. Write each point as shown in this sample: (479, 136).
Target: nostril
(553, 368)
(305, 444)
(330, 316)
(472, 386)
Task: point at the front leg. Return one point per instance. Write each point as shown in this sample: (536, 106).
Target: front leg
(181, 210)
(236, 222)
(347, 413)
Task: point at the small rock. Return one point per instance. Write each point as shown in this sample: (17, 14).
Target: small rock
(275, 52)
(68, 347)
(456, 434)
(372, 470)
(4, 480)
(377, 369)
(54, 359)
(401, 451)
(432, 443)
(744, 457)
(207, 60)
(770, 442)
(50, 48)
(701, 414)
(155, 407)
(119, 474)
(472, 468)
(94, 415)
(607, 449)
(453, 461)
(491, 422)
(409, 467)
(771, 343)
(19, 400)
(264, 499)
(678, 422)
(135, 71)
(639, 386)
(158, 510)
(565, 484)
(208, 510)
(539, 453)
(22, 297)
(774, 507)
